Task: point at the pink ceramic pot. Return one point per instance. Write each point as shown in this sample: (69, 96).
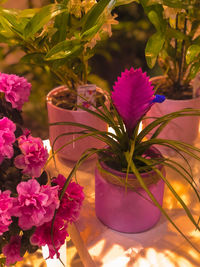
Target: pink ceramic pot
(126, 212)
(185, 129)
(74, 150)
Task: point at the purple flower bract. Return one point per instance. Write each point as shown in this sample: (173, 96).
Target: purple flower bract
(132, 97)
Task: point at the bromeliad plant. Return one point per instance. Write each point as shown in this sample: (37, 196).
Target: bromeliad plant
(132, 96)
(28, 198)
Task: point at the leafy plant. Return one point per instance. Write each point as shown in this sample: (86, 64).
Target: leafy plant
(60, 36)
(176, 43)
(126, 150)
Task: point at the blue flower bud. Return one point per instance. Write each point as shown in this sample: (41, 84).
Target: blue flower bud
(158, 99)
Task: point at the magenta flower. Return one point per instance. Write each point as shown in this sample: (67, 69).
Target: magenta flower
(132, 96)
(71, 202)
(7, 138)
(15, 88)
(12, 250)
(35, 204)
(6, 203)
(42, 236)
(33, 157)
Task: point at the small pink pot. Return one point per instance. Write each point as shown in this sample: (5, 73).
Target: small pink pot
(74, 150)
(185, 129)
(127, 212)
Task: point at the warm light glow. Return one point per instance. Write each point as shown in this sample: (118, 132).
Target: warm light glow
(55, 262)
(46, 144)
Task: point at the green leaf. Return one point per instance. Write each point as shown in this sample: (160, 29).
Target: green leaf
(125, 2)
(155, 16)
(34, 58)
(42, 17)
(61, 24)
(65, 49)
(192, 53)
(153, 47)
(195, 68)
(95, 12)
(91, 32)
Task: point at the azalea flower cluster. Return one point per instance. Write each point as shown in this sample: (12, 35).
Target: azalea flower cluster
(27, 202)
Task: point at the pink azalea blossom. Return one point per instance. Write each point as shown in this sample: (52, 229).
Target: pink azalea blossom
(15, 88)
(42, 235)
(6, 203)
(72, 200)
(7, 138)
(133, 95)
(33, 157)
(35, 204)
(12, 250)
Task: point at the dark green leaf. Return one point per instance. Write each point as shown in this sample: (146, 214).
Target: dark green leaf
(42, 17)
(64, 49)
(153, 47)
(35, 58)
(195, 68)
(95, 12)
(192, 53)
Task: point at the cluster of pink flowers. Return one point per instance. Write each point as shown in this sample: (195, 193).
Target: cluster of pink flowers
(31, 203)
(6, 204)
(33, 157)
(68, 212)
(15, 88)
(7, 138)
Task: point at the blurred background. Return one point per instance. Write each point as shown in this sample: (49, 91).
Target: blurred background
(124, 49)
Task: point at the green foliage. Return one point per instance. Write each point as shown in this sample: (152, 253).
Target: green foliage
(56, 36)
(175, 45)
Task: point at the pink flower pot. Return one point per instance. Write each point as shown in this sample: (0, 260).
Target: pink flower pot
(74, 150)
(185, 129)
(127, 212)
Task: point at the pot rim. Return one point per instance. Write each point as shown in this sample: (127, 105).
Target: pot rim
(63, 87)
(131, 175)
(162, 77)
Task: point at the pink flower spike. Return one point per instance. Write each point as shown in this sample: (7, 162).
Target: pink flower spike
(12, 250)
(132, 97)
(33, 157)
(7, 138)
(16, 89)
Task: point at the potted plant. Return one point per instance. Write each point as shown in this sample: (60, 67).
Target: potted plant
(130, 173)
(61, 37)
(28, 197)
(175, 46)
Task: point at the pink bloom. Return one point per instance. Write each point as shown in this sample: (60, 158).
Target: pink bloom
(71, 202)
(16, 89)
(133, 95)
(6, 203)
(7, 138)
(42, 235)
(12, 250)
(33, 157)
(35, 204)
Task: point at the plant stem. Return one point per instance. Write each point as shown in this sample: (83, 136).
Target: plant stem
(182, 58)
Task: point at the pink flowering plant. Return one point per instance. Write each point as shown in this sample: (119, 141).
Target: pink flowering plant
(28, 204)
(127, 149)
